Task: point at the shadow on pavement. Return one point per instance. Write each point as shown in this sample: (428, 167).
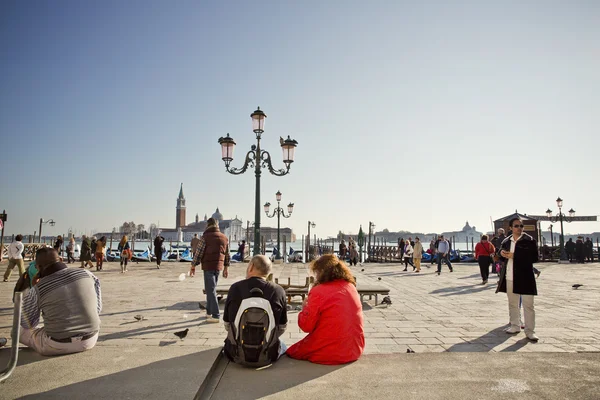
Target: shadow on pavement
(150, 329)
(177, 377)
(465, 289)
(239, 382)
(486, 342)
(26, 356)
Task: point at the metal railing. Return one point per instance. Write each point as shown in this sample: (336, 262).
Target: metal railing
(16, 330)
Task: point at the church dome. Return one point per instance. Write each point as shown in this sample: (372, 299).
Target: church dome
(217, 215)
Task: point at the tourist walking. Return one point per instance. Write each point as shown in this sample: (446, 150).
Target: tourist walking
(417, 254)
(443, 252)
(124, 252)
(343, 250)
(15, 257)
(484, 251)
(497, 242)
(158, 249)
(85, 255)
(213, 255)
(71, 250)
(93, 244)
(58, 244)
(408, 253)
(100, 251)
(570, 249)
(401, 244)
(432, 250)
(519, 252)
(589, 250)
(242, 250)
(353, 252)
(579, 250)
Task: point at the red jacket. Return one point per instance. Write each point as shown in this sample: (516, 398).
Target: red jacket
(484, 249)
(333, 319)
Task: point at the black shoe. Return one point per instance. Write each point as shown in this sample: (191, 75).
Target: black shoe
(404, 270)
(451, 270)
(414, 268)
(438, 272)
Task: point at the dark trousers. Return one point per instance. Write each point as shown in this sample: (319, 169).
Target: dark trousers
(444, 258)
(570, 256)
(484, 266)
(408, 260)
(158, 254)
(211, 278)
(70, 257)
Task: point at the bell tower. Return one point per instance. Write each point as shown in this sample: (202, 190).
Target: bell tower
(180, 211)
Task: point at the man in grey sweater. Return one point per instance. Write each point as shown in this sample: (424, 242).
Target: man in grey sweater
(70, 300)
(443, 252)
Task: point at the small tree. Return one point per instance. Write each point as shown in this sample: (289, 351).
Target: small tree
(140, 230)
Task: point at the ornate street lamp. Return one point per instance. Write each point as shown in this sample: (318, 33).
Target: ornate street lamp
(371, 231)
(561, 217)
(310, 224)
(42, 222)
(280, 213)
(257, 158)
(361, 243)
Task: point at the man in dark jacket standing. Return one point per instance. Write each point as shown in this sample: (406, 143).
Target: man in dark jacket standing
(519, 252)
(589, 250)
(570, 249)
(158, 249)
(213, 254)
(580, 250)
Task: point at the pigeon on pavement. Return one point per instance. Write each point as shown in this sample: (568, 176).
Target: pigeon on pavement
(3, 341)
(379, 278)
(139, 317)
(386, 300)
(182, 334)
(410, 351)
(577, 286)
(362, 270)
(202, 306)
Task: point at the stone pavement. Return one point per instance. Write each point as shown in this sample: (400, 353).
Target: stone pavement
(430, 313)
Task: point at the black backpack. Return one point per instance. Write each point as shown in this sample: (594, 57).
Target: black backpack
(253, 334)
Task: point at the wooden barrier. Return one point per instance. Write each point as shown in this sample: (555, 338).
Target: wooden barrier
(383, 254)
(29, 249)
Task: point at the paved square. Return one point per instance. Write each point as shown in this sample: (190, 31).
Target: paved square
(452, 312)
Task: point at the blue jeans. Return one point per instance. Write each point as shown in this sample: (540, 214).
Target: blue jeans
(446, 259)
(210, 286)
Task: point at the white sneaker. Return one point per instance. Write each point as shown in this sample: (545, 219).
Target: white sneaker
(533, 337)
(513, 329)
(211, 319)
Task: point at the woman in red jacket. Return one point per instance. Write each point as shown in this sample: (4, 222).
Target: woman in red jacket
(332, 316)
(484, 251)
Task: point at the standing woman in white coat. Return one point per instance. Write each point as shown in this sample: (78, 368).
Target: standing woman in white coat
(408, 254)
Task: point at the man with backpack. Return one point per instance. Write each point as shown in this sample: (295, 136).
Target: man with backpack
(255, 317)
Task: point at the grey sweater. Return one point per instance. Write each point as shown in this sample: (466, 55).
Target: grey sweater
(69, 300)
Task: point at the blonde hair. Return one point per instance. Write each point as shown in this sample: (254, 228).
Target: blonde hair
(123, 240)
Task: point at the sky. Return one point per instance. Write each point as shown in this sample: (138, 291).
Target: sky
(416, 115)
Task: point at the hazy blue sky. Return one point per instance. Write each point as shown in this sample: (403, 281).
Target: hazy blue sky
(415, 115)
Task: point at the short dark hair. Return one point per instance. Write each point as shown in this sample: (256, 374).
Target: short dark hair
(484, 237)
(510, 223)
(18, 238)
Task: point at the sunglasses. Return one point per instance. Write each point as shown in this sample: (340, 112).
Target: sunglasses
(518, 226)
